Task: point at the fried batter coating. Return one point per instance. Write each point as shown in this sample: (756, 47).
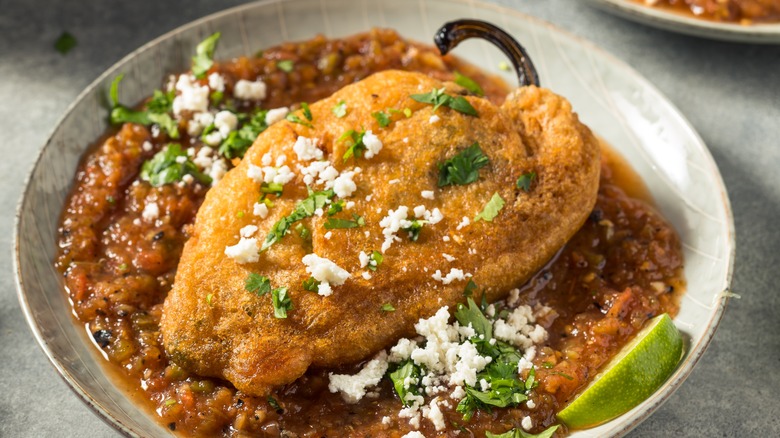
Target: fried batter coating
(234, 335)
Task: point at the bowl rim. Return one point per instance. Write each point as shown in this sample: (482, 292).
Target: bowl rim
(629, 420)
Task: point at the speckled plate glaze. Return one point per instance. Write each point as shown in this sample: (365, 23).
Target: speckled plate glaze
(676, 22)
(610, 97)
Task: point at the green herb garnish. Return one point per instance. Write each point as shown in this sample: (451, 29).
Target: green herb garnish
(382, 118)
(305, 208)
(285, 65)
(356, 146)
(204, 56)
(406, 370)
(437, 98)
(65, 43)
(335, 223)
(209, 298)
(156, 110)
(336, 207)
(470, 288)
(463, 168)
(170, 165)
(469, 84)
(306, 111)
(492, 208)
(257, 284)
(311, 284)
(519, 433)
(525, 180)
(377, 258)
(281, 301)
(387, 307)
(274, 404)
(271, 188)
(340, 110)
(414, 229)
(238, 141)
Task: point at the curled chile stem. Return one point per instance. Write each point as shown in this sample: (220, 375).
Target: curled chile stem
(452, 33)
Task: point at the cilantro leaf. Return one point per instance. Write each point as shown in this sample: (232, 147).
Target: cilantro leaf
(525, 180)
(374, 260)
(204, 55)
(281, 301)
(65, 43)
(519, 433)
(306, 111)
(257, 284)
(463, 168)
(387, 307)
(437, 98)
(161, 102)
(305, 208)
(473, 315)
(311, 284)
(275, 405)
(382, 118)
(414, 229)
(238, 141)
(285, 65)
(355, 141)
(294, 118)
(335, 223)
(468, 291)
(492, 208)
(336, 206)
(406, 370)
(468, 83)
(166, 123)
(170, 165)
(340, 110)
(156, 112)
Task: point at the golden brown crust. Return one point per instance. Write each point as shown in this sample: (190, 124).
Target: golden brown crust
(236, 336)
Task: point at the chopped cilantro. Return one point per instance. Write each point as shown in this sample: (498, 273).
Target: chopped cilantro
(65, 43)
(335, 223)
(382, 118)
(271, 188)
(356, 145)
(281, 301)
(305, 208)
(406, 372)
(156, 110)
(437, 98)
(123, 267)
(311, 284)
(519, 433)
(170, 165)
(294, 118)
(161, 102)
(306, 111)
(204, 56)
(340, 110)
(408, 112)
(377, 258)
(238, 141)
(285, 65)
(336, 206)
(492, 208)
(471, 314)
(257, 284)
(414, 229)
(469, 84)
(209, 298)
(303, 232)
(564, 375)
(166, 123)
(275, 405)
(216, 97)
(547, 365)
(387, 307)
(525, 180)
(468, 291)
(463, 168)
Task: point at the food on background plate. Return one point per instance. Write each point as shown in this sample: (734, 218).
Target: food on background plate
(280, 245)
(736, 11)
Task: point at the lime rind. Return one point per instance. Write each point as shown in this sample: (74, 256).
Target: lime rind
(635, 373)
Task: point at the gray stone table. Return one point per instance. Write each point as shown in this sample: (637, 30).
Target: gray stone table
(730, 93)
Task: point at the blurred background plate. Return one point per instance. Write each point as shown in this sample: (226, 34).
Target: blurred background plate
(678, 22)
(614, 100)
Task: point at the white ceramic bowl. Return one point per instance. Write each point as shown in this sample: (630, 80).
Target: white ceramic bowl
(765, 33)
(611, 98)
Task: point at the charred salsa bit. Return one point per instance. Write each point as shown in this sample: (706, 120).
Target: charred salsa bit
(608, 268)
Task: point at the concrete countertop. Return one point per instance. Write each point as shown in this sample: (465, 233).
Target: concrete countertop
(730, 93)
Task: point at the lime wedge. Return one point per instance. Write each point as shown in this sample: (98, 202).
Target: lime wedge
(634, 374)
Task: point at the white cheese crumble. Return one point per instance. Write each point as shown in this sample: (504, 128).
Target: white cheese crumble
(146, 146)
(427, 194)
(225, 121)
(527, 423)
(267, 159)
(433, 217)
(192, 96)
(353, 388)
(343, 185)
(366, 275)
(392, 223)
(328, 235)
(372, 143)
(245, 251)
(433, 413)
(151, 212)
(434, 118)
(276, 115)
(216, 82)
(260, 209)
(454, 274)
(217, 170)
(448, 257)
(326, 272)
(414, 434)
(247, 231)
(394, 181)
(199, 122)
(363, 258)
(306, 149)
(247, 90)
(530, 404)
(463, 223)
(213, 138)
(255, 173)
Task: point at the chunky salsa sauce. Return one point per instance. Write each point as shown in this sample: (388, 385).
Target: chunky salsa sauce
(736, 11)
(118, 261)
